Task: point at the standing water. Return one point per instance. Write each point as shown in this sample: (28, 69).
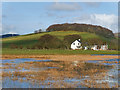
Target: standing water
(30, 73)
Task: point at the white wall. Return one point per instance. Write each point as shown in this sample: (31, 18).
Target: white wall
(76, 45)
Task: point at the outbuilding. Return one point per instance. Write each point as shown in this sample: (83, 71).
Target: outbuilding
(104, 47)
(95, 47)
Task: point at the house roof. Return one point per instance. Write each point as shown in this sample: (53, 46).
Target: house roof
(79, 41)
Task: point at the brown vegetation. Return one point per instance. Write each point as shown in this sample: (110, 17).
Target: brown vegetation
(61, 57)
(82, 28)
(64, 70)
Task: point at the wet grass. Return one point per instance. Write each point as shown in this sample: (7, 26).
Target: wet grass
(110, 62)
(64, 70)
(6, 51)
(6, 74)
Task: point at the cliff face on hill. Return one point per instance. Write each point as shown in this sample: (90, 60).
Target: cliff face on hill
(81, 28)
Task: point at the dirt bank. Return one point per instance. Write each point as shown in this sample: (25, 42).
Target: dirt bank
(62, 57)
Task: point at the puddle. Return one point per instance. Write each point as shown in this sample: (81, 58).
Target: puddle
(30, 73)
(22, 60)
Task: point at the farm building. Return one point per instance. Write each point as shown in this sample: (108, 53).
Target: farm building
(85, 48)
(76, 45)
(104, 47)
(95, 47)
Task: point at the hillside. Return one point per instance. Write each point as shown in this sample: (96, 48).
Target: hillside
(31, 39)
(82, 28)
(117, 35)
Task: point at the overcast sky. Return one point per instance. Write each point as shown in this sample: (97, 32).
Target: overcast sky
(26, 17)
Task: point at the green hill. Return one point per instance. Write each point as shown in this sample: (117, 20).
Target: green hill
(82, 28)
(30, 40)
(117, 35)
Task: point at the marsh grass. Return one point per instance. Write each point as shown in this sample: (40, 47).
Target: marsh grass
(110, 62)
(8, 64)
(6, 74)
(64, 70)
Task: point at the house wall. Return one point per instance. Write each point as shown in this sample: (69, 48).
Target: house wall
(94, 47)
(104, 47)
(75, 45)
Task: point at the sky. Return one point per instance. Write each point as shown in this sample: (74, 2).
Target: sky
(26, 17)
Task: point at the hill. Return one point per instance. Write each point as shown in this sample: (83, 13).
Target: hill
(82, 28)
(29, 40)
(117, 35)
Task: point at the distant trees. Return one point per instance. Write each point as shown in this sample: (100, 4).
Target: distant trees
(38, 31)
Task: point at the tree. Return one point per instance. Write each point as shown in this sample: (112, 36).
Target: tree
(38, 31)
(82, 28)
(93, 41)
(48, 41)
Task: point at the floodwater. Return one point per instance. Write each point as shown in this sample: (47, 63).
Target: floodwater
(30, 73)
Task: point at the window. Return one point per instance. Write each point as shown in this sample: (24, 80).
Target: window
(78, 43)
(73, 43)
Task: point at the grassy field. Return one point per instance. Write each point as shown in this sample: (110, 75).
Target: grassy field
(32, 39)
(53, 52)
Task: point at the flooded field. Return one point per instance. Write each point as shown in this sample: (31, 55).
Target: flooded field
(29, 73)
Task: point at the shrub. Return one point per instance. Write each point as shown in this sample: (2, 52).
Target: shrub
(13, 46)
(28, 47)
(21, 47)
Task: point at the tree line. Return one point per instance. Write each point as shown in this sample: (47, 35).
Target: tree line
(48, 41)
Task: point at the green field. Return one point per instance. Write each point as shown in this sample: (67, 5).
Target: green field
(54, 52)
(32, 39)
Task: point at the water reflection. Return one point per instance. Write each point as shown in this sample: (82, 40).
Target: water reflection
(29, 73)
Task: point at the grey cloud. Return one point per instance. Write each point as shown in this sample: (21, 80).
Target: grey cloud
(93, 4)
(60, 6)
(109, 21)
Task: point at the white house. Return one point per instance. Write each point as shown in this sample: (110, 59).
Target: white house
(76, 45)
(104, 47)
(95, 47)
(85, 48)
